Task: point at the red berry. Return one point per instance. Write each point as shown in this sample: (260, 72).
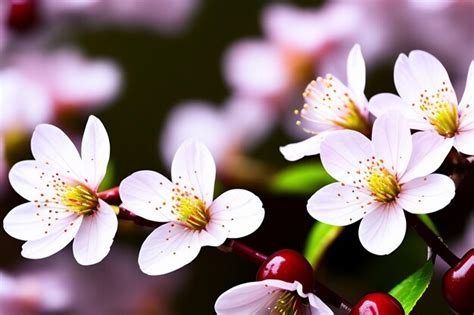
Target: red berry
(458, 285)
(378, 303)
(22, 14)
(289, 266)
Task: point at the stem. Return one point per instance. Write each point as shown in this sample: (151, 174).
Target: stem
(111, 196)
(124, 214)
(432, 240)
(326, 294)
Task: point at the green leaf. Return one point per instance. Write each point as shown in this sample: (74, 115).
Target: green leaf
(427, 220)
(410, 290)
(319, 239)
(301, 178)
(109, 179)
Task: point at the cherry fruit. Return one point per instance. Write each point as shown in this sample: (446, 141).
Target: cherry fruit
(458, 285)
(289, 266)
(378, 303)
(22, 14)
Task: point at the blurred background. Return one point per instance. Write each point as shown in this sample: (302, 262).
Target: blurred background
(230, 73)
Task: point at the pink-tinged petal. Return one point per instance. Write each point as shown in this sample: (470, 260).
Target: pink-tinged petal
(52, 147)
(168, 248)
(28, 222)
(356, 70)
(464, 142)
(148, 194)
(344, 153)
(318, 307)
(384, 102)
(421, 74)
(54, 241)
(340, 204)
(239, 212)
(247, 298)
(392, 141)
(194, 167)
(467, 102)
(429, 151)
(383, 230)
(256, 68)
(308, 147)
(95, 236)
(95, 152)
(427, 194)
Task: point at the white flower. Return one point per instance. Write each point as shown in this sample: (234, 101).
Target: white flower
(378, 179)
(429, 102)
(186, 203)
(270, 297)
(332, 106)
(61, 187)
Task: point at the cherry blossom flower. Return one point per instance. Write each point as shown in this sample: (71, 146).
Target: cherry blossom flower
(270, 297)
(380, 178)
(429, 102)
(61, 187)
(186, 203)
(331, 106)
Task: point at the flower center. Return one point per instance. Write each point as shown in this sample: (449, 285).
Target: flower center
(383, 185)
(289, 303)
(192, 212)
(329, 103)
(440, 112)
(80, 199)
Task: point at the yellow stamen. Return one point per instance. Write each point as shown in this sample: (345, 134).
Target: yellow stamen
(80, 199)
(383, 185)
(289, 303)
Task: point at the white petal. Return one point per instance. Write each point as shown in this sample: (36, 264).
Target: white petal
(427, 194)
(95, 152)
(148, 195)
(247, 298)
(421, 73)
(238, 211)
(429, 151)
(464, 142)
(345, 152)
(383, 230)
(28, 222)
(194, 167)
(340, 204)
(95, 236)
(168, 248)
(356, 70)
(54, 242)
(51, 146)
(392, 141)
(27, 178)
(308, 147)
(468, 96)
(318, 307)
(384, 102)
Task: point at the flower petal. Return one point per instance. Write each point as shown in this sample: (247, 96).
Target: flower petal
(383, 230)
(356, 70)
(168, 248)
(29, 222)
(464, 142)
(345, 152)
(340, 204)
(384, 102)
(54, 242)
(392, 141)
(95, 236)
(28, 179)
(310, 146)
(318, 307)
(148, 195)
(194, 167)
(238, 211)
(429, 151)
(467, 101)
(427, 194)
(95, 152)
